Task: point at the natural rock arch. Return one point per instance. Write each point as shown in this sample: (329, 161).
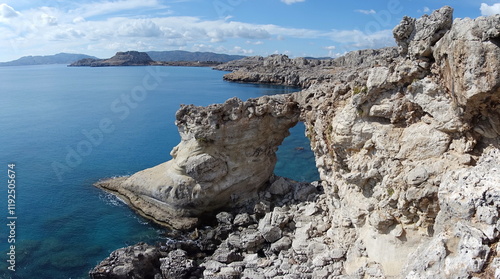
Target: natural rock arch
(226, 154)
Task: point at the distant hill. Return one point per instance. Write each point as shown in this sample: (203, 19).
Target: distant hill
(181, 55)
(121, 58)
(60, 58)
(160, 56)
(136, 58)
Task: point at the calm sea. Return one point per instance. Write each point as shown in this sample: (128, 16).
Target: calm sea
(65, 128)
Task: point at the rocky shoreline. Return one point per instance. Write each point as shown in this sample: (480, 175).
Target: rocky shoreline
(407, 144)
(223, 245)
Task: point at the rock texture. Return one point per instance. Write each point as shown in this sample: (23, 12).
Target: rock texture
(389, 138)
(138, 261)
(226, 154)
(407, 143)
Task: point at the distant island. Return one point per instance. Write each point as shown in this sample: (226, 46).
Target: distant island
(136, 58)
(127, 58)
(60, 58)
(163, 58)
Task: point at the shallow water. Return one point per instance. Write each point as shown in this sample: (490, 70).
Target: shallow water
(65, 128)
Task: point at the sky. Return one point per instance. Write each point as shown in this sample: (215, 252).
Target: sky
(318, 28)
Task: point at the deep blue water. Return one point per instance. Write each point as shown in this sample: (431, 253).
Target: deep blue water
(64, 128)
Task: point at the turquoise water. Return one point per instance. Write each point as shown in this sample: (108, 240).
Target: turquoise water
(65, 128)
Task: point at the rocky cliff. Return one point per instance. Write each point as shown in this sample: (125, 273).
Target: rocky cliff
(407, 143)
(388, 139)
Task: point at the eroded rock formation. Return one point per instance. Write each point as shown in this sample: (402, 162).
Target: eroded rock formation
(226, 154)
(407, 143)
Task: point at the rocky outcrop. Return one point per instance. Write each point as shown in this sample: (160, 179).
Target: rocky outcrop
(282, 233)
(387, 140)
(301, 72)
(226, 154)
(138, 261)
(466, 235)
(416, 37)
(277, 69)
(407, 143)
(127, 58)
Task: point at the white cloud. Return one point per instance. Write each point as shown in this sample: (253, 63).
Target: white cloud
(366, 12)
(48, 20)
(109, 7)
(331, 50)
(254, 43)
(424, 10)
(139, 28)
(240, 50)
(105, 29)
(67, 34)
(290, 2)
(358, 39)
(7, 11)
(487, 10)
(78, 19)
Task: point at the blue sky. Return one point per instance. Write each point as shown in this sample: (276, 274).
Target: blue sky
(247, 27)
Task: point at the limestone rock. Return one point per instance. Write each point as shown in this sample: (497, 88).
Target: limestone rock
(226, 255)
(176, 265)
(248, 240)
(279, 187)
(242, 219)
(138, 261)
(416, 37)
(282, 244)
(387, 139)
(468, 66)
(227, 153)
(225, 218)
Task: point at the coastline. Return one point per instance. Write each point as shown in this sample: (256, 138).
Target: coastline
(404, 145)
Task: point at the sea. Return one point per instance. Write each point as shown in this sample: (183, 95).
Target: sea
(64, 128)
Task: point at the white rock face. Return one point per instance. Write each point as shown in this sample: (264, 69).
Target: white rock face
(467, 226)
(396, 147)
(226, 155)
(417, 36)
